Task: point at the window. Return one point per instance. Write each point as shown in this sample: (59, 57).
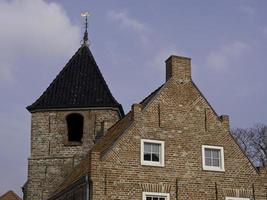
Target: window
(155, 196)
(236, 198)
(152, 152)
(212, 158)
(75, 127)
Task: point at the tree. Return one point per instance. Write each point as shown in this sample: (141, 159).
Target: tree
(253, 141)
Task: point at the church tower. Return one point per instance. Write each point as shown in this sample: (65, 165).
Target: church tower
(66, 120)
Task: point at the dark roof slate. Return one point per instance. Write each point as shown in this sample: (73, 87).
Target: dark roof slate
(79, 84)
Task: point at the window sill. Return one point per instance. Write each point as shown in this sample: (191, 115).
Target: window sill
(73, 144)
(215, 169)
(152, 164)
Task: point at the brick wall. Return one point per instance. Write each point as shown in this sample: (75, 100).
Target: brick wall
(181, 117)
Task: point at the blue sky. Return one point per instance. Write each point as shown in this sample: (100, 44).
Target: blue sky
(227, 41)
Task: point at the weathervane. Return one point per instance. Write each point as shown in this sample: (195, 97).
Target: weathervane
(85, 36)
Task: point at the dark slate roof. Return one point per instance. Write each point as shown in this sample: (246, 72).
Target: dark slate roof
(80, 84)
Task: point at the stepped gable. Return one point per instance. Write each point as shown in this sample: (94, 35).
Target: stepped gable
(80, 84)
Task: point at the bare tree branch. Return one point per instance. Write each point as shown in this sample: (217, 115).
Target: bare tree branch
(253, 142)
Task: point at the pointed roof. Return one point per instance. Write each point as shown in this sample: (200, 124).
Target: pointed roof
(80, 84)
(10, 195)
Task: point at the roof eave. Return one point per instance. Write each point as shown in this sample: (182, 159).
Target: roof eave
(118, 107)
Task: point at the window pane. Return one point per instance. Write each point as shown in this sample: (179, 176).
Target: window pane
(155, 157)
(147, 147)
(208, 161)
(207, 153)
(215, 153)
(147, 156)
(155, 198)
(155, 148)
(216, 162)
(212, 157)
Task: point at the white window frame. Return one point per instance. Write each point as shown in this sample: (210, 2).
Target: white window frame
(161, 162)
(236, 198)
(166, 195)
(213, 168)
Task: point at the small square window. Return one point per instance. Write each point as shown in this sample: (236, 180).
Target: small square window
(152, 152)
(213, 158)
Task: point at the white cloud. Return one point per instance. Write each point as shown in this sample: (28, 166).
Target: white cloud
(35, 37)
(125, 21)
(247, 9)
(226, 54)
(32, 29)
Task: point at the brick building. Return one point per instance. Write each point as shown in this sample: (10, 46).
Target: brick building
(170, 146)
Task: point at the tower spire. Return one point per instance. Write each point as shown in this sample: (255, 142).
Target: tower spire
(85, 35)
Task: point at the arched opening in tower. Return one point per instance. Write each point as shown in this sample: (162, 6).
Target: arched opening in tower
(75, 127)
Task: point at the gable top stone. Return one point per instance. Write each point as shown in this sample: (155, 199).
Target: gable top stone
(80, 84)
(10, 195)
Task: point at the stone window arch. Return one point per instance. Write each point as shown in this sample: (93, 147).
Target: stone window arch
(75, 123)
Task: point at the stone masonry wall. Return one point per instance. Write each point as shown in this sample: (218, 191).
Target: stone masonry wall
(52, 157)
